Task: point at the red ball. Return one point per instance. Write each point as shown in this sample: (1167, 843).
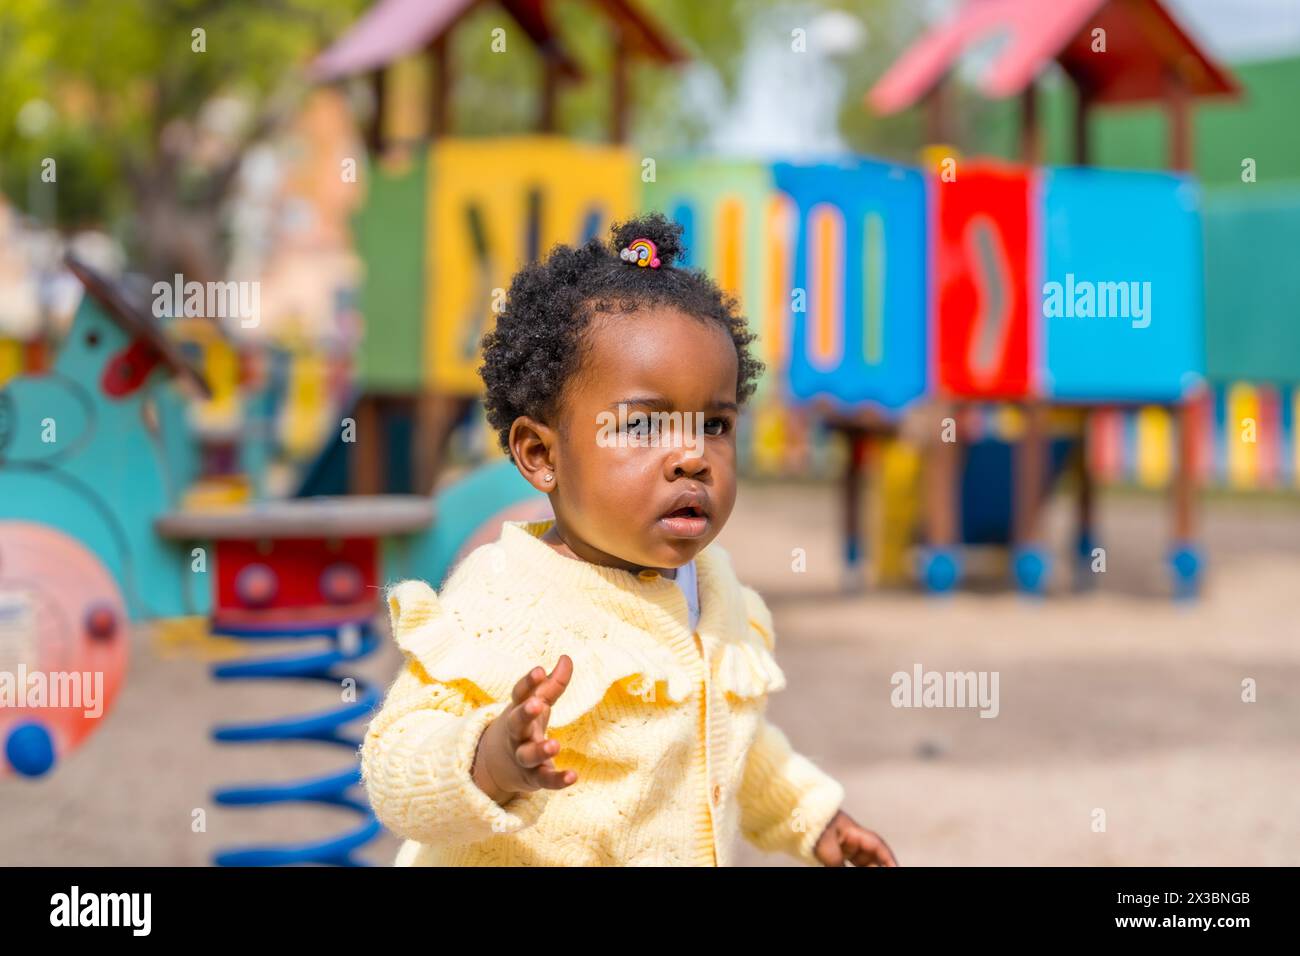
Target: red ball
(256, 585)
(341, 583)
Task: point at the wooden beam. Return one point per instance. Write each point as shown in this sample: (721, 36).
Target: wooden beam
(1030, 474)
(936, 117)
(854, 471)
(440, 89)
(942, 470)
(1083, 108)
(374, 132)
(1030, 148)
(1184, 480)
(1179, 110)
(368, 458)
(546, 118)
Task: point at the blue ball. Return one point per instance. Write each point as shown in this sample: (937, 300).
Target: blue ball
(940, 570)
(1031, 566)
(29, 749)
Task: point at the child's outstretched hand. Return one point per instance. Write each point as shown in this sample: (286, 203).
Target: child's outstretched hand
(844, 842)
(514, 754)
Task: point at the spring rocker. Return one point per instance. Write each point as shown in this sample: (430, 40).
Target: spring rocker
(94, 457)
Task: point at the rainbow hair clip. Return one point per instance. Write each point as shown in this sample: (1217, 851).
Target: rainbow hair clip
(643, 252)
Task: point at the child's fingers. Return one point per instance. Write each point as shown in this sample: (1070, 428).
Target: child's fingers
(867, 849)
(524, 689)
(528, 720)
(550, 778)
(551, 688)
(535, 753)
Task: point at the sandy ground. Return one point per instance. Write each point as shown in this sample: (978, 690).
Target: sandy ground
(1117, 702)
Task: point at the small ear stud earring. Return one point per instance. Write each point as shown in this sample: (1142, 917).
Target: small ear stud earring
(548, 477)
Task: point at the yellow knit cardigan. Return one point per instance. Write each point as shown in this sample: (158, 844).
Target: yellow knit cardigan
(664, 727)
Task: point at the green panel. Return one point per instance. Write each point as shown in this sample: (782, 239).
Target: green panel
(1260, 125)
(390, 236)
(1252, 283)
(702, 184)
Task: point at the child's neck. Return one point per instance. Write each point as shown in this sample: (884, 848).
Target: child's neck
(554, 538)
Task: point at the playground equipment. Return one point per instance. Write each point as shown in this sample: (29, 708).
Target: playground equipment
(433, 279)
(96, 457)
(1059, 230)
(90, 453)
(879, 290)
(301, 570)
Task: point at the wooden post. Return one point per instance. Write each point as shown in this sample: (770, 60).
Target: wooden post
(1180, 128)
(367, 464)
(1030, 456)
(1184, 482)
(936, 120)
(546, 119)
(1031, 470)
(1030, 150)
(435, 418)
(1085, 538)
(940, 477)
(1082, 111)
(1087, 489)
(853, 472)
(440, 87)
(374, 133)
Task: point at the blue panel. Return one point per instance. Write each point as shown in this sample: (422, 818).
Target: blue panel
(1126, 247)
(684, 215)
(883, 276)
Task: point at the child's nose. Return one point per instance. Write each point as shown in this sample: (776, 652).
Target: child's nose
(682, 464)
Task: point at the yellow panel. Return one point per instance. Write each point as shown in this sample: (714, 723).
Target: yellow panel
(496, 176)
(730, 245)
(11, 359)
(1243, 418)
(777, 235)
(220, 362)
(1154, 447)
(306, 398)
(769, 437)
(893, 511)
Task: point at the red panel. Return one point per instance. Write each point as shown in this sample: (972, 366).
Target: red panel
(296, 568)
(981, 263)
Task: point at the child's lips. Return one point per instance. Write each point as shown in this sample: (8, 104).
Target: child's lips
(685, 523)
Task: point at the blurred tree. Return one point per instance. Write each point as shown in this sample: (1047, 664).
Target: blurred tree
(147, 119)
(146, 108)
(497, 94)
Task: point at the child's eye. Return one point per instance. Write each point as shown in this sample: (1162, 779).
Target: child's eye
(721, 424)
(640, 425)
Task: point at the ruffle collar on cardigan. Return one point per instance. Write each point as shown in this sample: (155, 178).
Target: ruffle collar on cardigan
(516, 603)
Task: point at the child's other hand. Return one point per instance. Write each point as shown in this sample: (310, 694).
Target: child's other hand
(514, 754)
(845, 843)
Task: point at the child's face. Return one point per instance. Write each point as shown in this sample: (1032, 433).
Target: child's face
(620, 474)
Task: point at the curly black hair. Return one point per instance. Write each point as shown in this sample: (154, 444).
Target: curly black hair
(536, 346)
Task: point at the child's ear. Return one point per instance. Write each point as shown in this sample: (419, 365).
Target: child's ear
(411, 603)
(532, 443)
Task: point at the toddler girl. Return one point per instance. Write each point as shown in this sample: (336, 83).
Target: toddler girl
(590, 689)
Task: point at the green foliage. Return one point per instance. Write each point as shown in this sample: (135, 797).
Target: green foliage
(117, 72)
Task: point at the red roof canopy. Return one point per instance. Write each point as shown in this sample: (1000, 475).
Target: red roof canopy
(392, 29)
(1145, 49)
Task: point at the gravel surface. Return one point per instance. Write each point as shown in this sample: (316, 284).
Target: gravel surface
(1121, 737)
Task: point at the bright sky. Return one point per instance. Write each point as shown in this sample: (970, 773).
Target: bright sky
(1239, 30)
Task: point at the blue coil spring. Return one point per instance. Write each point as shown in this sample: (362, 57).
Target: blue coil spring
(349, 642)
